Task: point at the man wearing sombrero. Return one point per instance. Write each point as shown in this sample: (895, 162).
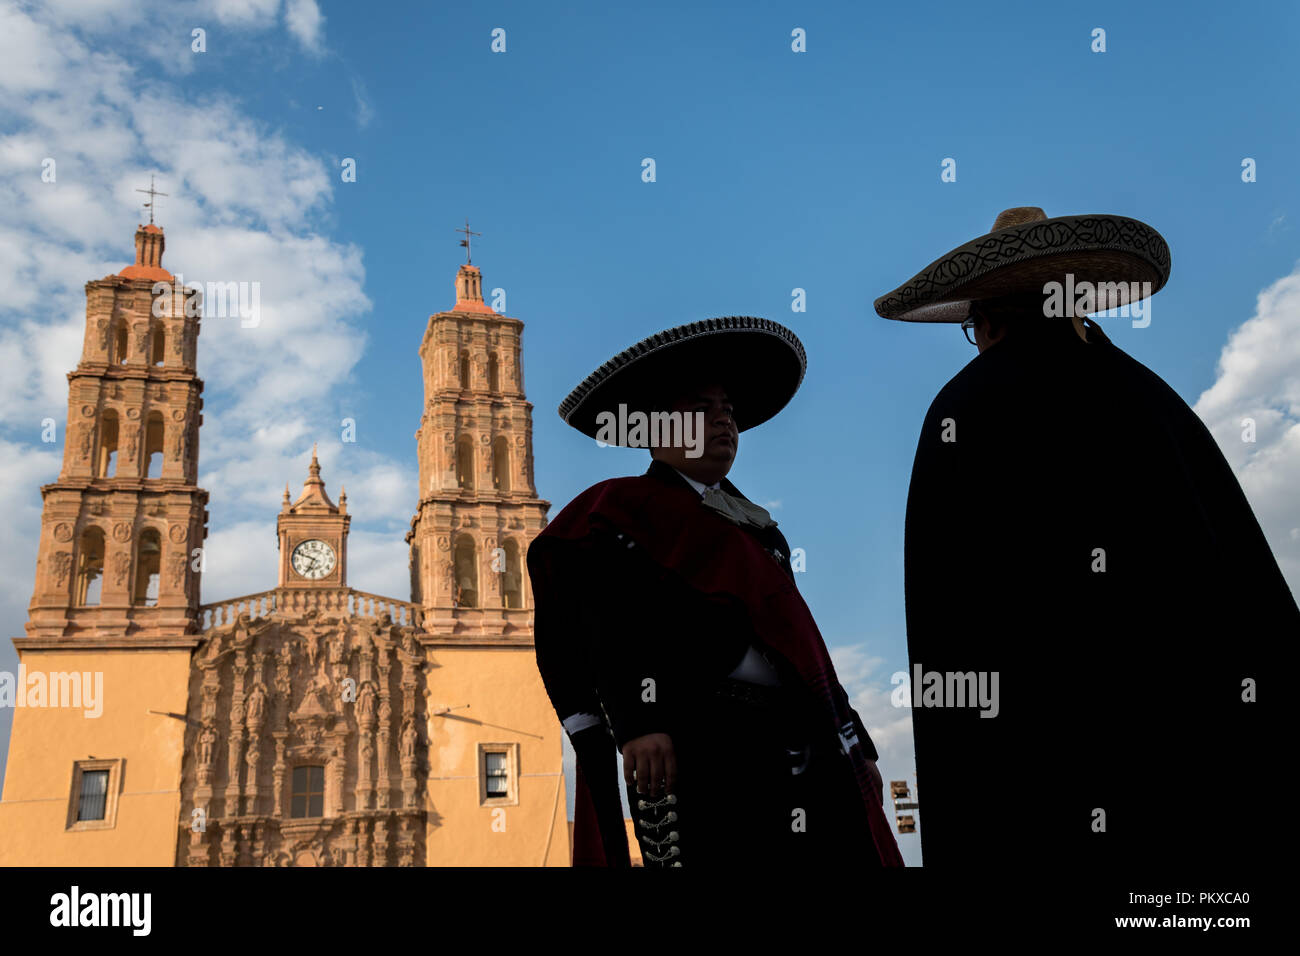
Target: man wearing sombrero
(1073, 529)
(668, 625)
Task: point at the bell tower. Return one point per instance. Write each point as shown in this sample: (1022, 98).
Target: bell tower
(96, 749)
(119, 554)
(495, 745)
(478, 508)
(313, 535)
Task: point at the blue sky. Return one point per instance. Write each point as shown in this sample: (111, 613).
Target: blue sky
(775, 170)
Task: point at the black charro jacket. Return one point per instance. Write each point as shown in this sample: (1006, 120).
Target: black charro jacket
(612, 618)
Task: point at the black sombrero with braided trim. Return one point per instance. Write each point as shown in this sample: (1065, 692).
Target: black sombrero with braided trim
(760, 364)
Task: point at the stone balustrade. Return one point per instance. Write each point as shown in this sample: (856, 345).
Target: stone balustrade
(333, 602)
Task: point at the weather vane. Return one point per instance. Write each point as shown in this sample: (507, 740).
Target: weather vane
(153, 192)
(465, 242)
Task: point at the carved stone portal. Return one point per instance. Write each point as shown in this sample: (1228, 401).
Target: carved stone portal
(333, 698)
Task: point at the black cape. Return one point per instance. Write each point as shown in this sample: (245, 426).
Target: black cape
(1121, 727)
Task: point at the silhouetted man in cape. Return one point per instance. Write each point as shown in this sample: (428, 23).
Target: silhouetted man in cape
(1073, 529)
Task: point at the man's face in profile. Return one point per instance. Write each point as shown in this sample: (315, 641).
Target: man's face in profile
(719, 441)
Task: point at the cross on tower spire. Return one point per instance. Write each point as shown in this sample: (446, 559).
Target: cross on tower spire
(153, 192)
(466, 241)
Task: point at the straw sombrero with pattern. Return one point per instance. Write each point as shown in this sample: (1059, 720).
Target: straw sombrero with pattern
(1024, 251)
(760, 364)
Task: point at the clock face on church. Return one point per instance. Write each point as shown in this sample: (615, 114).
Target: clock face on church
(313, 559)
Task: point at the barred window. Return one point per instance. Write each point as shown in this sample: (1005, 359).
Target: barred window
(498, 774)
(94, 795)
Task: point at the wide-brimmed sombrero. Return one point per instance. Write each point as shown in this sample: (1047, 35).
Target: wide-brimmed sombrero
(760, 363)
(1023, 252)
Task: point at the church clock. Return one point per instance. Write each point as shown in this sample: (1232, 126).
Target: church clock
(313, 559)
(313, 536)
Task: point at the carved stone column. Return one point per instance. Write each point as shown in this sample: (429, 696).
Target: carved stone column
(227, 845)
(200, 852)
(363, 842)
(381, 842)
(384, 782)
(350, 844)
(277, 799)
(334, 768)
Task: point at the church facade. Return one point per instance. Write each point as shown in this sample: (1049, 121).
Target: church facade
(309, 724)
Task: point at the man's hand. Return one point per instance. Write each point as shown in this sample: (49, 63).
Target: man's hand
(650, 763)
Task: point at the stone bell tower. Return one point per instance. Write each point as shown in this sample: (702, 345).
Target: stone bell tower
(496, 751)
(117, 558)
(478, 508)
(104, 664)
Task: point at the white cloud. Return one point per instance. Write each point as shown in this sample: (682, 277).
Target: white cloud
(245, 204)
(365, 111)
(29, 52)
(35, 356)
(239, 558)
(304, 20)
(158, 29)
(23, 469)
(305, 342)
(379, 564)
(246, 13)
(1258, 377)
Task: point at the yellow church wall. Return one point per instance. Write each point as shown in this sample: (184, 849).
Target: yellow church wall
(513, 709)
(46, 742)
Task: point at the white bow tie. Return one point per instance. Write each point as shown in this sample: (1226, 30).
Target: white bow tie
(736, 510)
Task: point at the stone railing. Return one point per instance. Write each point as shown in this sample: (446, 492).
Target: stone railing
(347, 602)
